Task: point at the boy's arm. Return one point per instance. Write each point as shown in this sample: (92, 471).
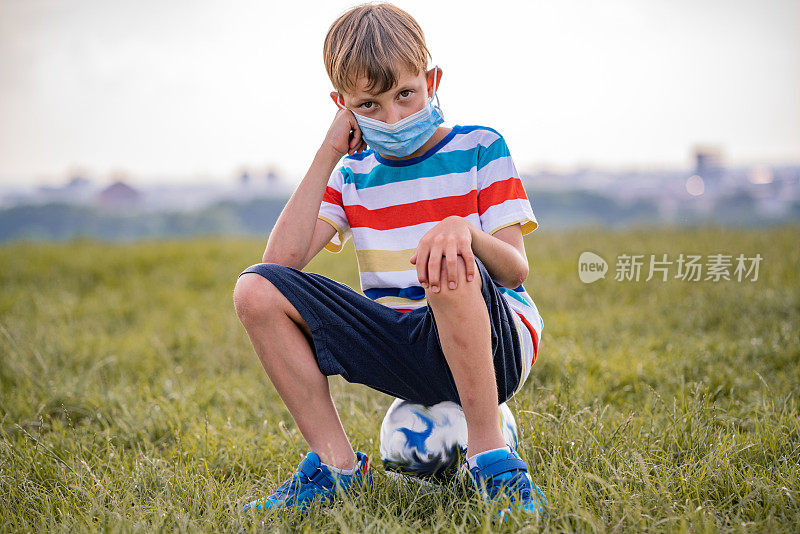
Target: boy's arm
(503, 256)
(502, 253)
(290, 241)
(323, 232)
(505, 213)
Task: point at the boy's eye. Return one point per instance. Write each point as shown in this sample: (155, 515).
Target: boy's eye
(405, 93)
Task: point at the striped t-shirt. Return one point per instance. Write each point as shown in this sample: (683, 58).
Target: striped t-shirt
(387, 206)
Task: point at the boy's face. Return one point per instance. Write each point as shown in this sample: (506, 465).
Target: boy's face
(408, 96)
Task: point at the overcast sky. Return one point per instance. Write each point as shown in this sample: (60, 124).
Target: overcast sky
(193, 90)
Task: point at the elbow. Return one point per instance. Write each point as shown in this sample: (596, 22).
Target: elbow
(289, 259)
(515, 282)
(522, 275)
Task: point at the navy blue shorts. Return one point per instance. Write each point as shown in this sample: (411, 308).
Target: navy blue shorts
(397, 353)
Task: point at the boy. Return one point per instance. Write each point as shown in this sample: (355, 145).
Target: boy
(437, 217)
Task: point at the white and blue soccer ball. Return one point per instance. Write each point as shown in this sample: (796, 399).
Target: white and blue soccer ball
(430, 442)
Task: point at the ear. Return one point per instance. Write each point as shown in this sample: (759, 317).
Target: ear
(435, 72)
(337, 98)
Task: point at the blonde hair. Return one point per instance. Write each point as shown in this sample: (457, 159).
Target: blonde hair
(376, 41)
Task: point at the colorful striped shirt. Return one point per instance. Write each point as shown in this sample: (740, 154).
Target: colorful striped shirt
(387, 206)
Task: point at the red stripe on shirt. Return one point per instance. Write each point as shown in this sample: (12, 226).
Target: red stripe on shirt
(332, 196)
(412, 213)
(534, 336)
(499, 192)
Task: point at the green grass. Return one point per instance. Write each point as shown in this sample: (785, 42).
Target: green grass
(131, 399)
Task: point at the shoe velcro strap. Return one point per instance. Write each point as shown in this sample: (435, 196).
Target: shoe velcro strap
(308, 469)
(319, 476)
(502, 466)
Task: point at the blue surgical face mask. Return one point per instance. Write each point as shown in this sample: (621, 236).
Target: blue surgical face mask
(405, 136)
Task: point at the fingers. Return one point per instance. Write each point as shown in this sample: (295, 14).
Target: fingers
(362, 146)
(469, 260)
(355, 142)
(435, 267)
(451, 260)
(422, 265)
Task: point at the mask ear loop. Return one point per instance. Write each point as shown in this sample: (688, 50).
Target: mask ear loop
(435, 85)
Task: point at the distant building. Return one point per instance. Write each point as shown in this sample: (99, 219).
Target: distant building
(77, 190)
(119, 195)
(709, 167)
(78, 183)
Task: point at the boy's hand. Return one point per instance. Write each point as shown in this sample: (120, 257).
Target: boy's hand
(447, 239)
(344, 135)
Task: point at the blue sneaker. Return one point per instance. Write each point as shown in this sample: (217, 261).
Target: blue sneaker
(312, 481)
(504, 472)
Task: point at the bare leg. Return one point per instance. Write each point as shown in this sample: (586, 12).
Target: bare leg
(464, 330)
(281, 339)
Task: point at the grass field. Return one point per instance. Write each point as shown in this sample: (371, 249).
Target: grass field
(131, 399)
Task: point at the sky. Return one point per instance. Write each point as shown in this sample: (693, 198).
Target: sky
(200, 90)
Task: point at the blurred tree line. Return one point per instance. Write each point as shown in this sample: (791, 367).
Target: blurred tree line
(554, 210)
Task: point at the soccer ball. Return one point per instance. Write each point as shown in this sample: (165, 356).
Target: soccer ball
(430, 442)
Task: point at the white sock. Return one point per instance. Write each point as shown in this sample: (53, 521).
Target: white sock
(473, 460)
(342, 471)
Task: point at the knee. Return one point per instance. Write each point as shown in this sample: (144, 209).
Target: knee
(255, 297)
(462, 285)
